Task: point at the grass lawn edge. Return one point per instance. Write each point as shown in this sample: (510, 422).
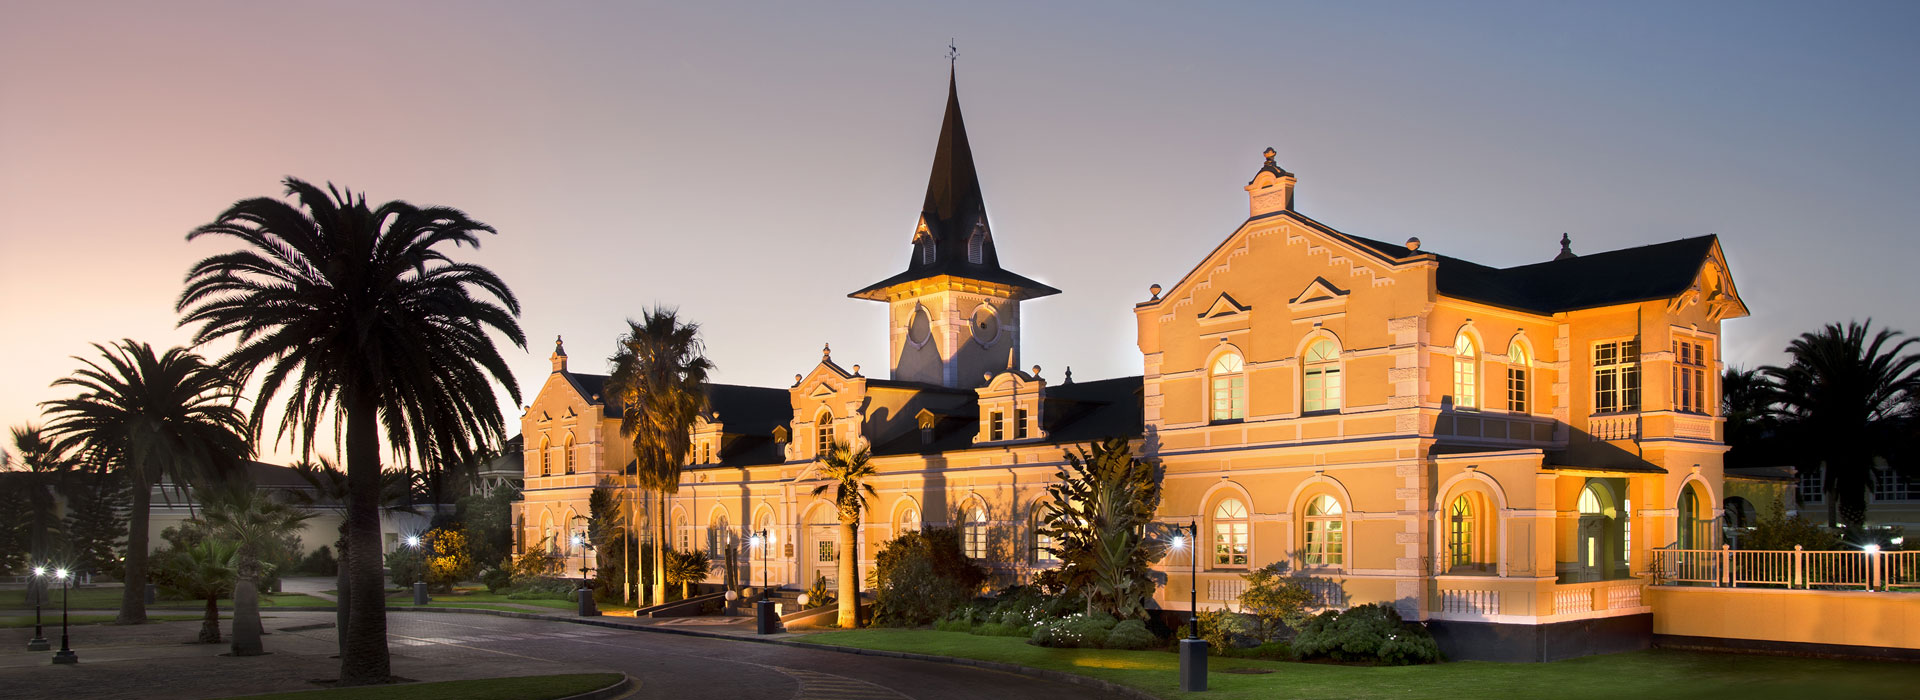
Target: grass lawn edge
(540, 687)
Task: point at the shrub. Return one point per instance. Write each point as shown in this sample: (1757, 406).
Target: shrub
(1274, 601)
(1130, 634)
(819, 595)
(320, 562)
(405, 566)
(1225, 630)
(952, 625)
(1272, 651)
(447, 560)
(922, 576)
(1371, 632)
(533, 565)
(496, 579)
(1079, 630)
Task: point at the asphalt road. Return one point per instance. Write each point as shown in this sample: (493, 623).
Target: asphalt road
(678, 666)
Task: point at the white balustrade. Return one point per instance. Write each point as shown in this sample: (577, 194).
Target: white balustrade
(1796, 568)
(1226, 590)
(1574, 600)
(1470, 601)
(1624, 427)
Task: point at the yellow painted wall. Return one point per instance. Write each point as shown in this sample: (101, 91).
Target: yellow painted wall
(1817, 617)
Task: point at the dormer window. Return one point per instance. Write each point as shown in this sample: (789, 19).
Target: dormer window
(1019, 424)
(977, 245)
(926, 250)
(996, 426)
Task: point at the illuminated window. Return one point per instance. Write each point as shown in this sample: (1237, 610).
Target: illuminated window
(909, 521)
(1689, 377)
(569, 453)
(1019, 424)
(1518, 361)
(1812, 485)
(823, 551)
(1616, 376)
(1460, 533)
(1041, 542)
(686, 533)
(973, 533)
(1466, 373)
(546, 457)
(1320, 390)
(823, 433)
(719, 537)
(996, 426)
(1589, 502)
(1230, 533)
(1229, 388)
(1326, 532)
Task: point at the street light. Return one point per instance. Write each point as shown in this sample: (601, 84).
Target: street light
(39, 591)
(1193, 649)
(65, 655)
(764, 620)
(420, 574)
(584, 596)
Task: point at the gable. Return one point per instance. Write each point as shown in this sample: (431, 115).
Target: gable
(1283, 236)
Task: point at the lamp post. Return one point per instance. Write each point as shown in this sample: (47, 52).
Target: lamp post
(420, 576)
(65, 655)
(764, 620)
(38, 589)
(584, 596)
(1193, 649)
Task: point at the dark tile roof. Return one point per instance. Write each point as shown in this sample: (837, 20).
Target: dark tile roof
(591, 386)
(953, 209)
(1761, 473)
(750, 410)
(1657, 271)
(1074, 413)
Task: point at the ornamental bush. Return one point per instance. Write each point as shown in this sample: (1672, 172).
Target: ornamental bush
(1079, 630)
(1130, 634)
(1225, 630)
(920, 577)
(1371, 632)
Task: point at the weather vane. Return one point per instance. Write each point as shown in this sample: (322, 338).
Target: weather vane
(953, 52)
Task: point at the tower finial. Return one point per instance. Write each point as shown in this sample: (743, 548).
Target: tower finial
(1566, 248)
(953, 53)
(1270, 153)
(826, 352)
(559, 358)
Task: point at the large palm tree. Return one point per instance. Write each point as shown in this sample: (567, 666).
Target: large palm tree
(1845, 399)
(660, 379)
(259, 527)
(364, 319)
(1748, 399)
(149, 416)
(327, 485)
(846, 472)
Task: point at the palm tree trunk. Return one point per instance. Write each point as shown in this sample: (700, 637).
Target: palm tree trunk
(849, 617)
(210, 624)
(133, 598)
(365, 660)
(246, 612)
(659, 516)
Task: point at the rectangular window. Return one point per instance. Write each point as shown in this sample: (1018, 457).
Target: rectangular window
(1326, 544)
(1890, 486)
(997, 426)
(1466, 384)
(826, 550)
(1517, 389)
(1322, 392)
(1019, 424)
(1812, 485)
(1230, 397)
(1229, 544)
(974, 540)
(1689, 377)
(1616, 376)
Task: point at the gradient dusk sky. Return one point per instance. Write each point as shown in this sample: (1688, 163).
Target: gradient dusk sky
(753, 163)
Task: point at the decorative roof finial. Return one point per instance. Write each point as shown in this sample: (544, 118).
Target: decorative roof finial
(559, 346)
(826, 352)
(953, 53)
(1270, 153)
(1068, 378)
(1566, 248)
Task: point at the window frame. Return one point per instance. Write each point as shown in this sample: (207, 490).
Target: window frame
(1227, 388)
(1325, 369)
(1519, 377)
(973, 532)
(996, 425)
(1617, 361)
(1229, 532)
(1020, 423)
(1332, 529)
(1462, 536)
(1690, 386)
(546, 456)
(823, 433)
(1466, 372)
(567, 456)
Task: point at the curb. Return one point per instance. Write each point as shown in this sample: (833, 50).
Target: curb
(1109, 687)
(620, 687)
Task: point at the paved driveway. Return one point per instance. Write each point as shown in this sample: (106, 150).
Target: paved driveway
(150, 662)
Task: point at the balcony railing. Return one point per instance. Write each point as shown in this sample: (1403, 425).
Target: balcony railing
(1841, 570)
(1614, 426)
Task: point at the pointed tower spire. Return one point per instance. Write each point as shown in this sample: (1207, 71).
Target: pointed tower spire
(559, 356)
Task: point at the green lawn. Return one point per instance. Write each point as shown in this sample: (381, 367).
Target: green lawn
(1641, 674)
(109, 599)
(520, 688)
(480, 598)
(53, 621)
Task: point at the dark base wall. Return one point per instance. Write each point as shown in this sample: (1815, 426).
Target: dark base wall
(1491, 641)
(1763, 646)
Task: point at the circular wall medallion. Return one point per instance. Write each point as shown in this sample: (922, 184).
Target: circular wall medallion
(985, 325)
(919, 326)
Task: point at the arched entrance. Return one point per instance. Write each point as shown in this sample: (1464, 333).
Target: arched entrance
(821, 555)
(1595, 541)
(1695, 527)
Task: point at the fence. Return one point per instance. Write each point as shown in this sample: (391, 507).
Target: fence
(1860, 569)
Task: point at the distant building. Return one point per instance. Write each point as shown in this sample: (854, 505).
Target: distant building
(173, 504)
(1493, 450)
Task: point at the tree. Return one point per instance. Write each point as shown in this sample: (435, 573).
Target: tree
(660, 380)
(44, 474)
(259, 528)
(202, 570)
(846, 472)
(363, 316)
(96, 527)
(149, 416)
(1097, 515)
(919, 577)
(448, 560)
(328, 486)
(1748, 399)
(487, 522)
(686, 569)
(1846, 398)
(1274, 600)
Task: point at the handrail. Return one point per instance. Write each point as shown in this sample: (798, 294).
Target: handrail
(1797, 568)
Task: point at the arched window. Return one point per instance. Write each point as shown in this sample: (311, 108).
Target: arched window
(926, 251)
(823, 433)
(1229, 388)
(1041, 542)
(684, 532)
(1695, 527)
(763, 526)
(1326, 532)
(1230, 534)
(1460, 539)
(719, 536)
(1320, 385)
(1518, 360)
(909, 521)
(1589, 502)
(546, 457)
(977, 246)
(973, 532)
(1466, 373)
(568, 458)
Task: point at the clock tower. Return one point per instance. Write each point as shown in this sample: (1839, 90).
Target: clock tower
(954, 315)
